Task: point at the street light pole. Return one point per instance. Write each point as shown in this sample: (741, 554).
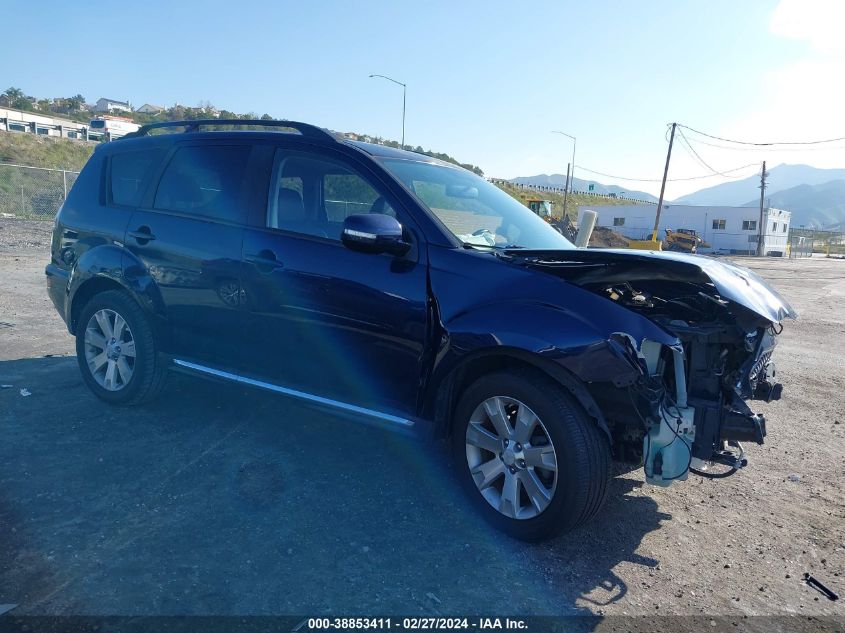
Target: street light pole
(566, 188)
(404, 90)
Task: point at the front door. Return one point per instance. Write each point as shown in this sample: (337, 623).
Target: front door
(324, 319)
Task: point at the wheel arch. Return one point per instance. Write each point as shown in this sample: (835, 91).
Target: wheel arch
(85, 291)
(445, 394)
(103, 268)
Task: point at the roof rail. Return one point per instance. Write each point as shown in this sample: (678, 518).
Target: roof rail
(305, 129)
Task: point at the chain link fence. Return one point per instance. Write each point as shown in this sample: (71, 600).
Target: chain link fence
(34, 193)
(800, 245)
(804, 242)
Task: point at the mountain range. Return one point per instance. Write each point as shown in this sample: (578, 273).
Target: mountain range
(816, 197)
(819, 206)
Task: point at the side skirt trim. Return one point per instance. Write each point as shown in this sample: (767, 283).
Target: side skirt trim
(310, 397)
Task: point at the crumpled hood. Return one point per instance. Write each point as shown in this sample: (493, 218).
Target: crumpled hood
(734, 283)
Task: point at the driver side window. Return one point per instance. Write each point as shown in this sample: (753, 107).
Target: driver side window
(313, 196)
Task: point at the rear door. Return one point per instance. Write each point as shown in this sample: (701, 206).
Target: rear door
(324, 319)
(187, 238)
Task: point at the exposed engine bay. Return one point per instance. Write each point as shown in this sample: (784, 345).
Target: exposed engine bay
(697, 391)
(687, 409)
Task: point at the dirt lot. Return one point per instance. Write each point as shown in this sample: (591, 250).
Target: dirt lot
(218, 500)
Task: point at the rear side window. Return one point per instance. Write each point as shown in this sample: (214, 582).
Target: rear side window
(206, 181)
(130, 173)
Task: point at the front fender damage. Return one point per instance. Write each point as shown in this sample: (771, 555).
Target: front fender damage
(677, 426)
(687, 410)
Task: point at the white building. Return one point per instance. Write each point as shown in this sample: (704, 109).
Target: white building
(149, 108)
(111, 105)
(27, 121)
(728, 230)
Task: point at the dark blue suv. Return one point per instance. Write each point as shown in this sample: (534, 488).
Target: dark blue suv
(412, 293)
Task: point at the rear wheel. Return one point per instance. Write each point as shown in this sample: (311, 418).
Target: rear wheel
(116, 350)
(529, 458)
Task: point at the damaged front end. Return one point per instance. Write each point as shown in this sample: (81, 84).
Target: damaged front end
(692, 401)
(688, 409)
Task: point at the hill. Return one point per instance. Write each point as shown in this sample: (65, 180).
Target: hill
(575, 199)
(578, 184)
(782, 177)
(818, 206)
(44, 151)
(75, 109)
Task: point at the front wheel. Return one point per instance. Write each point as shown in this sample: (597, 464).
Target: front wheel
(116, 350)
(528, 456)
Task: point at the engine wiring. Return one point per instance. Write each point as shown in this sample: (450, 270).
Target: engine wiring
(677, 416)
(703, 473)
(680, 419)
(663, 409)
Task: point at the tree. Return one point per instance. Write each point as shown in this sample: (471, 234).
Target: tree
(17, 99)
(13, 94)
(75, 103)
(266, 117)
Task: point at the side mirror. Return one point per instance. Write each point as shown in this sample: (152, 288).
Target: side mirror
(373, 233)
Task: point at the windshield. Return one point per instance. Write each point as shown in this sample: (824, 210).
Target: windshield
(476, 212)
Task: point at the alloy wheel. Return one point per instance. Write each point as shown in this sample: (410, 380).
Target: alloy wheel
(109, 349)
(511, 457)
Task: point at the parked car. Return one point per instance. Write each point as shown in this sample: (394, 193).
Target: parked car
(412, 293)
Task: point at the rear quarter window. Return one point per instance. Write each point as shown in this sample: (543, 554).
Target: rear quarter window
(130, 173)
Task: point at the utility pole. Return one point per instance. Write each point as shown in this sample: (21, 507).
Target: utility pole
(565, 191)
(663, 186)
(571, 165)
(760, 226)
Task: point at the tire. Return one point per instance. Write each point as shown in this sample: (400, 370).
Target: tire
(571, 494)
(134, 379)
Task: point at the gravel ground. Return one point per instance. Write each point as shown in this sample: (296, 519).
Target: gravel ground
(218, 500)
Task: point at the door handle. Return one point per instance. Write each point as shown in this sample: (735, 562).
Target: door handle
(264, 259)
(142, 234)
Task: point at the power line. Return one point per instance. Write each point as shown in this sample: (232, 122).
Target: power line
(697, 156)
(727, 171)
(689, 149)
(759, 149)
(727, 140)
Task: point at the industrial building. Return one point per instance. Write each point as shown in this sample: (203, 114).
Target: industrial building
(728, 230)
(12, 120)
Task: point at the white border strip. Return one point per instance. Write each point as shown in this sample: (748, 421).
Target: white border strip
(294, 393)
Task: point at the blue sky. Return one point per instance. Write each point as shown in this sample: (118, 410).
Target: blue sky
(487, 81)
